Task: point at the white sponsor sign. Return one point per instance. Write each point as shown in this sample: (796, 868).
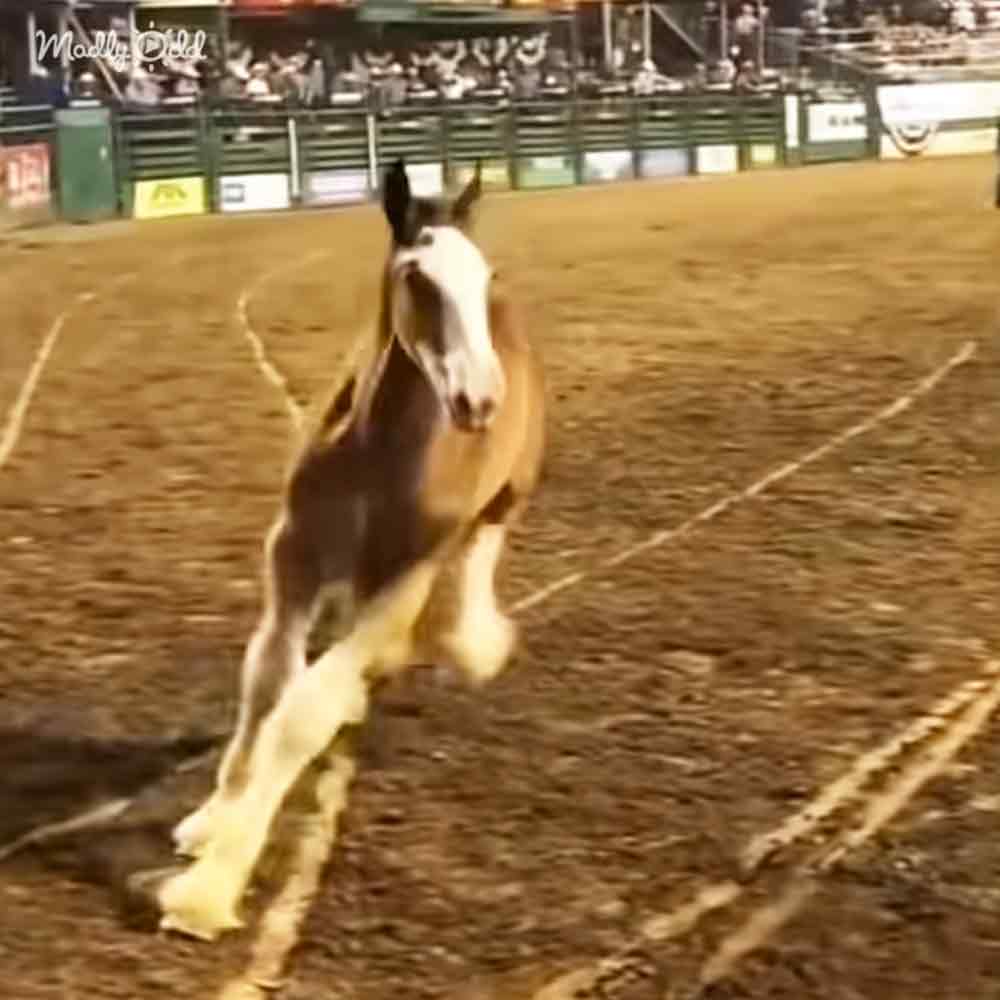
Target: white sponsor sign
(335, 187)
(933, 103)
(608, 165)
(254, 192)
(838, 121)
(912, 114)
(717, 160)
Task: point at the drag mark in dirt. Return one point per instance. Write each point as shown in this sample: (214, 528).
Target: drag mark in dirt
(19, 410)
(279, 935)
(960, 714)
(935, 756)
(710, 513)
(265, 366)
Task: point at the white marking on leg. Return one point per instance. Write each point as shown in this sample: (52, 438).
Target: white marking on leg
(204, 900)
(194, 832)
(280, 923)
(330, 695)
(483, 637)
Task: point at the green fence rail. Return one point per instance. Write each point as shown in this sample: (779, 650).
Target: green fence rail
(240, 159)
(23, 124)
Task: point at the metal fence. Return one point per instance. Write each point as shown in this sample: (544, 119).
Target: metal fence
(204, 159)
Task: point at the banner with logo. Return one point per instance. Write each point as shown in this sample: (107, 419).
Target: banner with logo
(545, 171)
(836, 130)
(166, 198)
(938, 119)
(663, 162)
(495, 176)
(26, 174)
(608, 165)
(717, 160)
(335, 187)
(254, 192)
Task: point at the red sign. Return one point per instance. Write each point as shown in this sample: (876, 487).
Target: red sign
(26, 172)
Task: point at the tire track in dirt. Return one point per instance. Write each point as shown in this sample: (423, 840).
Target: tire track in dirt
(278, 932)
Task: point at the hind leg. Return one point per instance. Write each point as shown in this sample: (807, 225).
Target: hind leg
(331, 694)
(275, 654)
(483, 637)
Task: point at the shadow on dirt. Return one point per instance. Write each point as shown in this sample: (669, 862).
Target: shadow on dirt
(95, 810)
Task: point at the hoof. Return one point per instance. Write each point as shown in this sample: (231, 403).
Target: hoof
(193, 905)
(481, 648)
(138, 896)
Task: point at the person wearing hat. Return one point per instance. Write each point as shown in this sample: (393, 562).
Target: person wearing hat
(258, 85)
(395, 87)
(187, 83)
(143, 89)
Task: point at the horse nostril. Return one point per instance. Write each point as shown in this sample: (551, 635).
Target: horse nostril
(486, 410)
(463, 408)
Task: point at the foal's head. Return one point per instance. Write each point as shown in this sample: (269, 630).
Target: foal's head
(439, 284)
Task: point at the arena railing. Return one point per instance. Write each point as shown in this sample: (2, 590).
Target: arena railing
(202, 159)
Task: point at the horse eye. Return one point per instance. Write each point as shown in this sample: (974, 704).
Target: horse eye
(425, 239)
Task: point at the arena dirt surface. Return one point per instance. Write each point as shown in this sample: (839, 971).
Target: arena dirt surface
(657, 716)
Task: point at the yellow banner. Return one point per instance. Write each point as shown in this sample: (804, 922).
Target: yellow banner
(161, 199)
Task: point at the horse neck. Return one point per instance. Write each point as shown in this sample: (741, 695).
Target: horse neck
(387, 371)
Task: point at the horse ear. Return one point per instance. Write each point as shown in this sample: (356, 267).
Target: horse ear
(396, 199)
(462, 210)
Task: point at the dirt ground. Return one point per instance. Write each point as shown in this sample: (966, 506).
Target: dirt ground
(658, 715)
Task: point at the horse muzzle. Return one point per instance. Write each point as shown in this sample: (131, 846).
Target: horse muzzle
(473, 416)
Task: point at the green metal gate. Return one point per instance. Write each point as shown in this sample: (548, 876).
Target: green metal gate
(86, 164)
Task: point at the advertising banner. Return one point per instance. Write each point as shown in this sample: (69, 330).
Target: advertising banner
(838, 121)
(166, 198)
(335, 187)
(763, 154)
(546, 171)
(26, 177)
(608, 165)
(923, 118)
(836, 130)
(664, 162)
(495, 177)
(717, 160)
(958, 142)
(254, 192)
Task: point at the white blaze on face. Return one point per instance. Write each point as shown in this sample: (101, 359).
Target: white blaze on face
(466, 373)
